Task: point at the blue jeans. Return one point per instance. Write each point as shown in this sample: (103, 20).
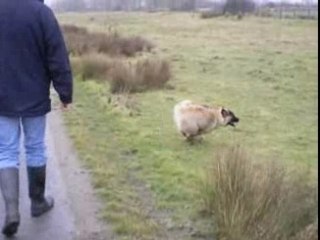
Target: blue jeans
(34, 143)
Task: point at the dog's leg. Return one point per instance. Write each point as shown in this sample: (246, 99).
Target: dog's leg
(197, 139)
(190, 139)
(186, 136)
(200, 138)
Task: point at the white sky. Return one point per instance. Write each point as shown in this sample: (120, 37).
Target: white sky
(292, 1)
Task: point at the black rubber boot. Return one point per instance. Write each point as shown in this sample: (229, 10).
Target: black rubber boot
(9, 184)
(37, 181)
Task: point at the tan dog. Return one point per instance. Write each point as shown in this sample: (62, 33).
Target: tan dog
(193, 119)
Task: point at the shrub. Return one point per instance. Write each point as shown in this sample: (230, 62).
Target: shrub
(257, 201)
(210, 14)
(239, 6)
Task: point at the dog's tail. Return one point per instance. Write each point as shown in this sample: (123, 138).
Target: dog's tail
(182, 104)
(177, 111)
(179, 106)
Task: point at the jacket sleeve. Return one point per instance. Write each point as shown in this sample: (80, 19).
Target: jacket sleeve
(56, 56)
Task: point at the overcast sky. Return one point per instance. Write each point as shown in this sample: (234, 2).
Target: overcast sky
(293, 1)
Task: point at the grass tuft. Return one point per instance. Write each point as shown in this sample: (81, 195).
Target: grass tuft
(145, 74)
(251, 200)
(92, 66)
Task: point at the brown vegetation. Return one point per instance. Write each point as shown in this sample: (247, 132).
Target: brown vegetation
(91, 59)
(80, 41)
(124, 76)
(258, 201)
(150, 73)
(210, 14)
(92, 66)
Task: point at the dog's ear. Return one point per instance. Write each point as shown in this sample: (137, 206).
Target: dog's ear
(224, 112)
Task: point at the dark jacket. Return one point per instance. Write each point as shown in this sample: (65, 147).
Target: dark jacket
(32, 55)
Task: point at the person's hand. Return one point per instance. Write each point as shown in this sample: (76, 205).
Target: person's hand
(65, 106)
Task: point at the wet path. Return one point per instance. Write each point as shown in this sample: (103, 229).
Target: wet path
(75, 215)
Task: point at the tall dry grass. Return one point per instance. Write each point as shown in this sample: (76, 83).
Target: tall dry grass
(149, 73)
(123, 76)
(153, 72)
(80, 41)
(251, 200)
(92, 66)
(99, 56)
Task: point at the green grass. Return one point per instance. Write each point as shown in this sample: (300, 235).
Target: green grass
(265, 70)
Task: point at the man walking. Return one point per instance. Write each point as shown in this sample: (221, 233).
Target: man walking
(32, 56)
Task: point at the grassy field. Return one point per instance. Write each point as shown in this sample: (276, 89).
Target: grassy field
(265, 70)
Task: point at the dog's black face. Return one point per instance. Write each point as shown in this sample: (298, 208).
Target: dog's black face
(229, 116)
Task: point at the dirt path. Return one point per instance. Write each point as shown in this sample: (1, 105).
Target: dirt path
(75, 216)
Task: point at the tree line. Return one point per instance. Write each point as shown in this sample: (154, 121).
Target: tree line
(124, 5)
(220, 7)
